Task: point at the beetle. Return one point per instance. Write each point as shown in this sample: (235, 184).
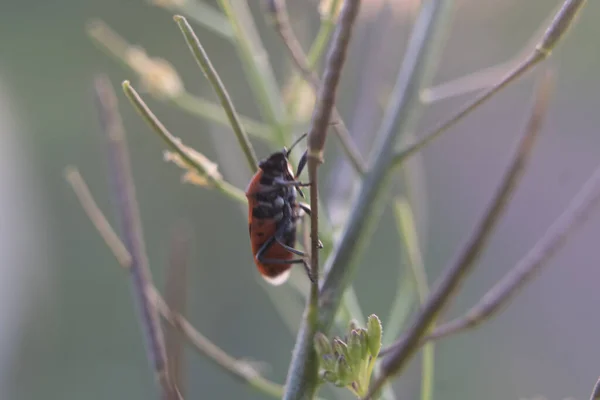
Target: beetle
(273, 214)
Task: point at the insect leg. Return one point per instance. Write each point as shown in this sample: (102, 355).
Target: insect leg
(267, 245)
(290, 249)
(306, 208)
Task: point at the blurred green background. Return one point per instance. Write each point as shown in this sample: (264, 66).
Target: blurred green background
(68, 327)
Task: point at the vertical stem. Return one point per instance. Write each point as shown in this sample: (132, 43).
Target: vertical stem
(131, 228)
(399, 117)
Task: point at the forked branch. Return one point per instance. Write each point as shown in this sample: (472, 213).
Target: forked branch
(498, 297)
(237, 368)
(284, 29)
(463, 264)
(557, 29)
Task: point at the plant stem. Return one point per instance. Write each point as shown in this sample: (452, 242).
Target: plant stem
(574, 216)
(256, 64)
(115, 46)
(596, 391)
(302, 377)
(176, 299)
(202, 13)
(213, 77)
(398, 118)
(552, 241)
(410, 238)
(203, 108)
(315, 51)
(237, 368)
(557, 29)
(465, 260)
(98, 219)
(176, 146)
(131, 226)
(285, 31)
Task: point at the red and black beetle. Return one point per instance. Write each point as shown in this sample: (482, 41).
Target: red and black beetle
(273, 214)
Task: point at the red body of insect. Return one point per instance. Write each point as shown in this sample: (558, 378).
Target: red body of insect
(273, 213)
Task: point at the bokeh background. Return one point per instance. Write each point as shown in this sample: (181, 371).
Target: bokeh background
(68, 329)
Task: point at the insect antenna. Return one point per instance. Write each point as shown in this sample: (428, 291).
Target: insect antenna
(287, 154)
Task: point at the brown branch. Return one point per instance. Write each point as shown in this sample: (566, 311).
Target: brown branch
(131, 227)
(237, 368)
(284, 29)
(463, 264)
(302, 375)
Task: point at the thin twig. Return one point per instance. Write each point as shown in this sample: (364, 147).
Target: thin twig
(301, 381)
(115, 46)
(175, 295)
(399, 117)
(213, 77)
(487, 77)
(84, 196)
(553, 240)
(462, 265)
(328, 23)
(176, 146)
(255, 63)
(557, 29)
(410, 238)
(283, 27)
(499, 296)
(596, 392)
(237, 368)
(131, 227)
(202, 13)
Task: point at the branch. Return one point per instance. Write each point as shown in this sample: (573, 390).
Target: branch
(237, 368)
(557, 29)
(498, 297)
(410, 243)
(284, 29)
(463, 264)
(131, 227)
(162, 80)
(197, 163)
(175, 294)
(596, 392)
(98, 219)
(213, 77)
(398, 118)
(302, 379)
(255, 62)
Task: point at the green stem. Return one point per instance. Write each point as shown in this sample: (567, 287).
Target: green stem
(554, 33)
(202, 13)
(410, 238)
(214, 79)
(314, 55)
(256, 64)
(175, 145)
(399, 118)
(116, 47)
(200, 107)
